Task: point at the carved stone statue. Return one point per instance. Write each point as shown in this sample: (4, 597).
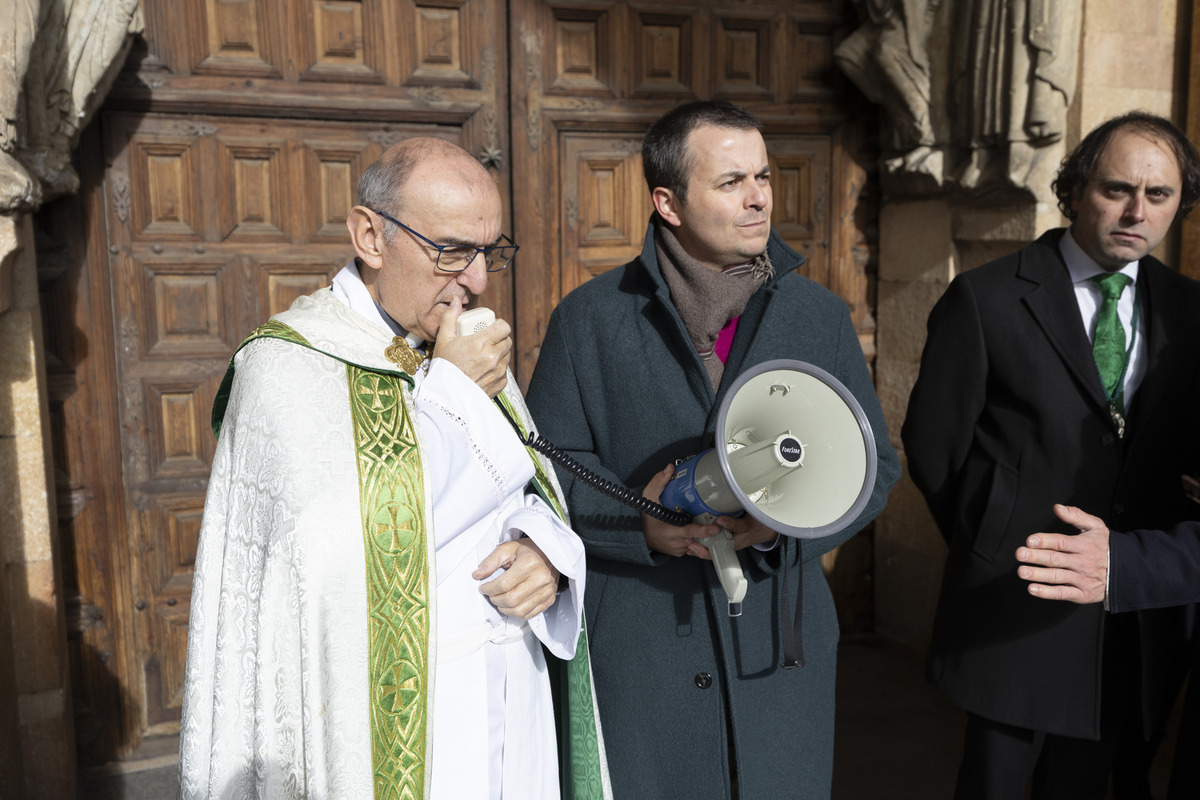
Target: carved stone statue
(887, 59)
(974, 90)
(1014, 71)
(57, 61)
(17, 188)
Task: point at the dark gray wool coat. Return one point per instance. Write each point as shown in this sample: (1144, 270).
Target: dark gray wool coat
(619, 386)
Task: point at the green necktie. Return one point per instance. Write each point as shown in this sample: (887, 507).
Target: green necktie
(1109, 346)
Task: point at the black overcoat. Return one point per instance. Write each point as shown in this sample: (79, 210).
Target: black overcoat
(619, 385)
(1008, 417)
(1153, 569)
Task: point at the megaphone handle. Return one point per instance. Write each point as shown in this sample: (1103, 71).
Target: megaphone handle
(729, 569)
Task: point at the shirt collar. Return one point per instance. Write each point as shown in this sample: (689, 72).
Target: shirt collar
(348, 282)
(1083, 267)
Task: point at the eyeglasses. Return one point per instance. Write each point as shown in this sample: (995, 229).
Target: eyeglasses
(457, 257)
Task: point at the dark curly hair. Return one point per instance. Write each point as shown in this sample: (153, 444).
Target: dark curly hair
(1080, 166)
(665, 158)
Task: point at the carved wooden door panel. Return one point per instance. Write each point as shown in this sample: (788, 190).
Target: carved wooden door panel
(215, 224)
(229, 154)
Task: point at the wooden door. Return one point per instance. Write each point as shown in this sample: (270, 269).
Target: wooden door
(219, 176)
(596, 74)
(216, 183)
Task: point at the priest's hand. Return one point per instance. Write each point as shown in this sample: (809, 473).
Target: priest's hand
(669, 539)
(746, 531)
(529, 583)
(1071, 568)
(483, 357)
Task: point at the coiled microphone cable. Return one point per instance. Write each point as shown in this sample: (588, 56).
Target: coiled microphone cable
(597, 482)
(604, 485)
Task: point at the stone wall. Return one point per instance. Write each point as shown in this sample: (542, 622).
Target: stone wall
(1126, 61)
(12, 776)
(36, 727)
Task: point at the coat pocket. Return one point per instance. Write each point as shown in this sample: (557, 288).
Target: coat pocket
(1002, 498)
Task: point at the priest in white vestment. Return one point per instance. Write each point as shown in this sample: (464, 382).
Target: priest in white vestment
(382, 560)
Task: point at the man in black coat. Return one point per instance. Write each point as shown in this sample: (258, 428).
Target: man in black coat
(633, 368)
(1009, 416)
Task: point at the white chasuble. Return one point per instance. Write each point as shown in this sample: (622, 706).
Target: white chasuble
(338, 646)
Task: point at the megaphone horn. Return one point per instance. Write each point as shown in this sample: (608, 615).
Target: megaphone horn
(795, 450)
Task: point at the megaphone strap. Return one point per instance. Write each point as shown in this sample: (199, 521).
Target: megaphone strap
(793, 640)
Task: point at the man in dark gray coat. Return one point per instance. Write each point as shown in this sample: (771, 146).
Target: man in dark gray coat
(633, 368)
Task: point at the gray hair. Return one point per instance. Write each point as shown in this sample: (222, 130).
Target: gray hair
(381, 186)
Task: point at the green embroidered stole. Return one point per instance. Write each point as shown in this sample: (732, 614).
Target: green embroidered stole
(392, 494)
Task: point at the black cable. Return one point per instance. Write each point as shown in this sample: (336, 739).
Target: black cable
(605, 486)
(589, 478)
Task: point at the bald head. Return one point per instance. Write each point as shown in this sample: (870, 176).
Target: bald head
(383, 185)
(420, 198)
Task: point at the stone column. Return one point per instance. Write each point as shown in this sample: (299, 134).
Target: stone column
(923, 245)
(917, 260)
(12, 776)
(36, 681)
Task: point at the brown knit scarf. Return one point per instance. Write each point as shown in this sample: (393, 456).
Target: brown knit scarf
(706, 299)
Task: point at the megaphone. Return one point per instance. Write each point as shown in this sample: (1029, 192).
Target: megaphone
(795, 450)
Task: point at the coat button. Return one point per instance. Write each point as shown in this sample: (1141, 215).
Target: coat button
(703, 680)
(1108, 440)
(1118, 508)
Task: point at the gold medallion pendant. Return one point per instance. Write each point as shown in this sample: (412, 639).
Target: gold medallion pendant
(401, 352)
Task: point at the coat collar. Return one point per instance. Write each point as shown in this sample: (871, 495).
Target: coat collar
(1161, 308)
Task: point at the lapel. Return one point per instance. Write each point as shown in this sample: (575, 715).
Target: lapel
(1051, 302)
(1159, 308)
